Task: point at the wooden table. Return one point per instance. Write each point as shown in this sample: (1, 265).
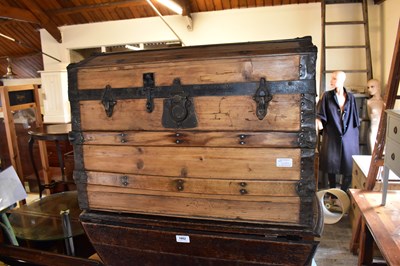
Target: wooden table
(54, 133)
(380, 224)
(41, 220)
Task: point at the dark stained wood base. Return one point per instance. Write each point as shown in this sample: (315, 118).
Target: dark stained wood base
(121, 239)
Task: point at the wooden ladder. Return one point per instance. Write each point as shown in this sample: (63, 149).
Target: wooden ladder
(391, 96)
(325, 47)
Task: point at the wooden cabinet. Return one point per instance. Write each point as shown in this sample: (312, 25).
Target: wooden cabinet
(361, 165)
(392, 153)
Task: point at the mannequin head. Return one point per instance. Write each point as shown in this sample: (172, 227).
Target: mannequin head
(374, 88)
(337, 79)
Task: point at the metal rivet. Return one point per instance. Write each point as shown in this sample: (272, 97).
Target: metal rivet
(179, 184)
(124, 180)
(242, 136)
(177, 134)
(243, 191)
(177, 141)
(242, 143)
(243, 184)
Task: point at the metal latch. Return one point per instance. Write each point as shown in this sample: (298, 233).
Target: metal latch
(148, 86)
(262, 98)
(108, 101)
(178, 111)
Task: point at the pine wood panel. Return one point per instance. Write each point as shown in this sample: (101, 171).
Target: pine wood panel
(213, 113)
(174, 194)
(99, 198)
(223, 163)
(193, 138)
(155, 184)
(130, 74)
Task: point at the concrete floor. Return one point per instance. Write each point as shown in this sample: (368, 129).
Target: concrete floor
(334, 246)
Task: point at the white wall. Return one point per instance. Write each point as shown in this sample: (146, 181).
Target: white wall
(241, 25)
(238, 25)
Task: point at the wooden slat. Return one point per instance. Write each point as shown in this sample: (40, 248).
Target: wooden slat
(130, 74)
(192, 138)
(98, 6)
(18, 14)
(169, 194)
(266, 211)
(156, 184)
(213, 114)
(222, 163)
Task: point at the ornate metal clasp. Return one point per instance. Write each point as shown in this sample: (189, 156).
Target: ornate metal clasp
(262, 98)
(179, 109)
(108, 101)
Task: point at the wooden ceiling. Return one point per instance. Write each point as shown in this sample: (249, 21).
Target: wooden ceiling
(21, 20)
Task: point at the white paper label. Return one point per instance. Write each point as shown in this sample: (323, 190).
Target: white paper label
(182, 239)
(284, 162)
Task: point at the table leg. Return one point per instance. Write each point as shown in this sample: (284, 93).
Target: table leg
(66, 225)
(385, 184)
(60, 159)
(45, 164)
(8, 229)
(35, 170)
(365, 254)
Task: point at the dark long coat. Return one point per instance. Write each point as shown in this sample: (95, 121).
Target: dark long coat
(340, 135)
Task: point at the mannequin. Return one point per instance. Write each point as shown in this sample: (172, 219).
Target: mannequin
(337, 117)
(375, 106)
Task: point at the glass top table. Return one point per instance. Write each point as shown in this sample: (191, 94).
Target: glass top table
(41, 219)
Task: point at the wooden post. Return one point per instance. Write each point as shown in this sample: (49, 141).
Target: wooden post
(376, 159)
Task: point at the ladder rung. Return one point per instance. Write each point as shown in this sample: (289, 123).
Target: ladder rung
(346, 47)
(355, 22)
(348, 71)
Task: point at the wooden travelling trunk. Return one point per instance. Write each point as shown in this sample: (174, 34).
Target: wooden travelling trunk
(198, 155)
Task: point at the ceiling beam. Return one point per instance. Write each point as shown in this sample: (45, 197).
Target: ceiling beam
(187, 13)
(17, 14)
(186, 7)
(45, 21)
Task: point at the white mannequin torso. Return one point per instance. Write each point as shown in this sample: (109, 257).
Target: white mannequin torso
(375, 106)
